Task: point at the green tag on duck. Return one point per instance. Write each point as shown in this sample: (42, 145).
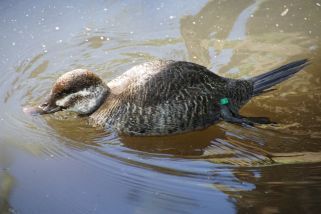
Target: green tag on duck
(224, 101)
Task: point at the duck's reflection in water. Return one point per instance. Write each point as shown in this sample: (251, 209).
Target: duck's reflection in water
(249, 175)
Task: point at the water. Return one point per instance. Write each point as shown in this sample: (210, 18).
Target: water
(59, 164)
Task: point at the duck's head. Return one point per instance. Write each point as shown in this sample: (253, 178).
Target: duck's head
(79, 90)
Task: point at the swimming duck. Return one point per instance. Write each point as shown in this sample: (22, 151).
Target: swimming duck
(161, 97)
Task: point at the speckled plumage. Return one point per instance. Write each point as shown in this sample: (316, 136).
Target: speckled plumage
(167, 97)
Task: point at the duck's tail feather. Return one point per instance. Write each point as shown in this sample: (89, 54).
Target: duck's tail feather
(263, 82)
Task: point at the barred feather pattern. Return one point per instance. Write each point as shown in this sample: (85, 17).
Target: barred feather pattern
(167, 97)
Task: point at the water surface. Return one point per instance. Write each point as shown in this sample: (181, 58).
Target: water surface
(60, 164)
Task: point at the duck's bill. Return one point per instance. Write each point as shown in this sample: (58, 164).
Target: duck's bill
(40, 110)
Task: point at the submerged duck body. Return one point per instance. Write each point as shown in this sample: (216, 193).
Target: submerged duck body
(160, 97)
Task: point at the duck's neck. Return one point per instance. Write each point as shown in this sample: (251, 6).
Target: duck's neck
(106, 110)
(94, 96)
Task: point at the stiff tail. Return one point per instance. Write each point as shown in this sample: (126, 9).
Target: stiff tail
(265, 81)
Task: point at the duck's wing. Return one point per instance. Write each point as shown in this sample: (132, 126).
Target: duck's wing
(169, 80)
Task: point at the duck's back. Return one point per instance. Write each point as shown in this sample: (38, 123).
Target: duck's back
(158, 81)
(163, 97)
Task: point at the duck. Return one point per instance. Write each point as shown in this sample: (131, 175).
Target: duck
(161, 97)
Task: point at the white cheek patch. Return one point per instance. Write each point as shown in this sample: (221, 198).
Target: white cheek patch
(85, 100)
(82, 107)
(66, 99)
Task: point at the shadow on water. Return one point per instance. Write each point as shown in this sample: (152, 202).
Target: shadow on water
(6, 181)
(264, 169)
(6, 186)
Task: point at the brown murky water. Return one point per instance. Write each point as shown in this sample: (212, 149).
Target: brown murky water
(59, 164)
